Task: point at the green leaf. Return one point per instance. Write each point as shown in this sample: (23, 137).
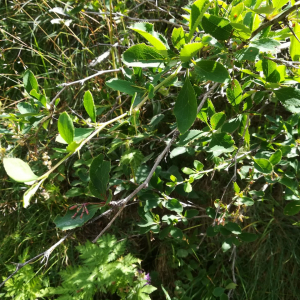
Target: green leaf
(89, 105)
(217, 27)
(185, 109)
(241, 30)
(66, 127)
(295, 45)
(191, 213)
(292, 208)
(178, 39)
(221, 143)
(236, 11)
(18, 170)
(233, 227)
(217, 120)
(266, 45)
(248, 237)
(231, 125)
(236, 187)
(156, 39)
(178, 151)
(279, 3)
(223, 297)
(143, 56)
(234, 93)
(188, 187)
(290, 98)
(263, 165)
(124, 86)
(244, 201)
(174, 205)
(276, 157)
(66, 222)
(198, 9)
(218, 291)
(232, 285)
(30, 193)
(176, 233)
(30, 81)
(250, 53)
(166, 293)
(182, 253)
(270, 71)
(198, 165)
(99, 174)
(189, 50)
(226, 245)
(211, 70)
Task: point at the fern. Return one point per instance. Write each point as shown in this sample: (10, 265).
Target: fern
(104, 269)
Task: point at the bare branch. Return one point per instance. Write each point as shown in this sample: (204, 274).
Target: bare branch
(82, 81)
(290, 64)
(277, 19)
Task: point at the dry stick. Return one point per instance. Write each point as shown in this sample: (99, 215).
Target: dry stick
(139, 20)
(142, 186)
(205, 96)
(82, 81)
(275, 20)
(46, 255)
(284, 62)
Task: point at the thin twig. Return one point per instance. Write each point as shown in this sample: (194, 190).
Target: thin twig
(205, 96)
(275, 20)
(142, 186)
(284, 62)
(233, 257)
(82, 81)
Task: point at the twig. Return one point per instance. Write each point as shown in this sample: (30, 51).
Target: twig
(275, 20)
(139, 20)
(205, 96)
(233, 257)
(142, 186)
(82, 81)
(284, 62)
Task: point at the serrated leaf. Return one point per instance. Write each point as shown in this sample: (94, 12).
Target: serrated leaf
(185, 109)
(217, 120)
(263, 165)
(142, 56)
(89, 105)
(66, 127)
(178, 39)
(30, 81)
(217, 27)
(234, 93)
(18, 170)
(99, 175)
(292, 208)
(156, 39)
(174, 205)
(189, 50)
(66, 222)
(295, 45)
(221, 143)
(198, 9)
(241, 30)
(124, 86)
(211, 70)
(276, 157)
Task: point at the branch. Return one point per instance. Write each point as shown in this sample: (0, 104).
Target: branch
(205, 96)
(284, 62)
(82, 81)
(142, 186)
(275, 20)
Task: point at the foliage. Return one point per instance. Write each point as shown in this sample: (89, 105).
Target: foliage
(219, 85)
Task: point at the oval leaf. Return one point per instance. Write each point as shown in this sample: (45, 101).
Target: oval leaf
(30, 193)
(66, 127)
(217, 120)
(89, 105)
(66, 222)
(99, 174)
(217, 27)
(234, 93)
(18, 170)
(123, 86)
(292, 208)
(30, 81)
(189, 50)
(263, 165)
(211, 70)
(174, 205)
(185, 109)
(275, 157)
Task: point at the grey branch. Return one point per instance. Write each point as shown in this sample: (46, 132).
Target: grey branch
(277, 19)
